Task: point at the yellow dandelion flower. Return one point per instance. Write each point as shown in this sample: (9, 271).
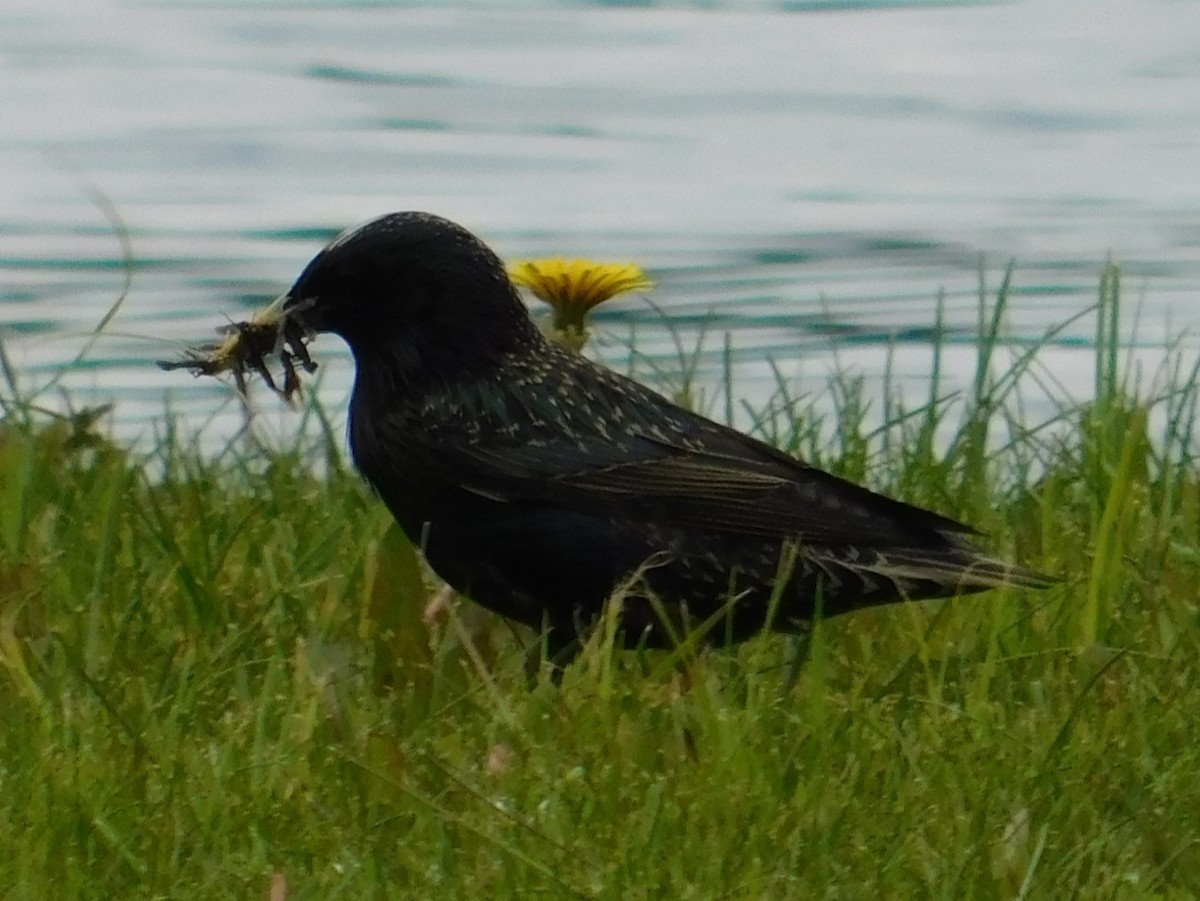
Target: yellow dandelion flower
(573, 288)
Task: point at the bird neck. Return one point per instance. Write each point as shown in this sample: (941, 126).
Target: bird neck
(406, 368)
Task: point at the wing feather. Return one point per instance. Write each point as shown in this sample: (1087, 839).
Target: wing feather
(667, 466)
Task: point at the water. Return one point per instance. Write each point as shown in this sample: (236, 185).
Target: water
(786, 175)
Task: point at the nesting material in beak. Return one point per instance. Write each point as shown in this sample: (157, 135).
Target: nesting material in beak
(271, 332)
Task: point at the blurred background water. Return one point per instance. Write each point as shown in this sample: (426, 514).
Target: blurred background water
(802, 177)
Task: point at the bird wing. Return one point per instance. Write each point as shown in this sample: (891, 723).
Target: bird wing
(636, 455)
(749, 493)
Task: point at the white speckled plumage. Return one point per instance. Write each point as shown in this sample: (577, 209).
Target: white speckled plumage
(538, 481)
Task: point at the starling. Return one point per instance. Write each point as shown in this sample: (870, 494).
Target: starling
(538, 483)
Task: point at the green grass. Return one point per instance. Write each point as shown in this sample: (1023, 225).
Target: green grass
(215, 673)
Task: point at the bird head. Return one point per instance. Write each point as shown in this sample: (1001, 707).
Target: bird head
(415, 289)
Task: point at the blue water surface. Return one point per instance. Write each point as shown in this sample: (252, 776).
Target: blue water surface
(804, 178)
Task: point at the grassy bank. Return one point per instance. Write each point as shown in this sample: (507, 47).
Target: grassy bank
(216, 676)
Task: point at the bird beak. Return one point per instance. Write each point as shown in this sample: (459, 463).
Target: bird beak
(294, 330)
(303, 313)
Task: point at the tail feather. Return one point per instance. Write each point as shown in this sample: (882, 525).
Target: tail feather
(962, 571)
(922, 573)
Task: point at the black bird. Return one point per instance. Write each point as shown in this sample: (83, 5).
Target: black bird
(537, 482)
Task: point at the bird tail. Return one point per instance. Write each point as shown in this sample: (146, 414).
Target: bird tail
(966, 571)
(919, 573)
